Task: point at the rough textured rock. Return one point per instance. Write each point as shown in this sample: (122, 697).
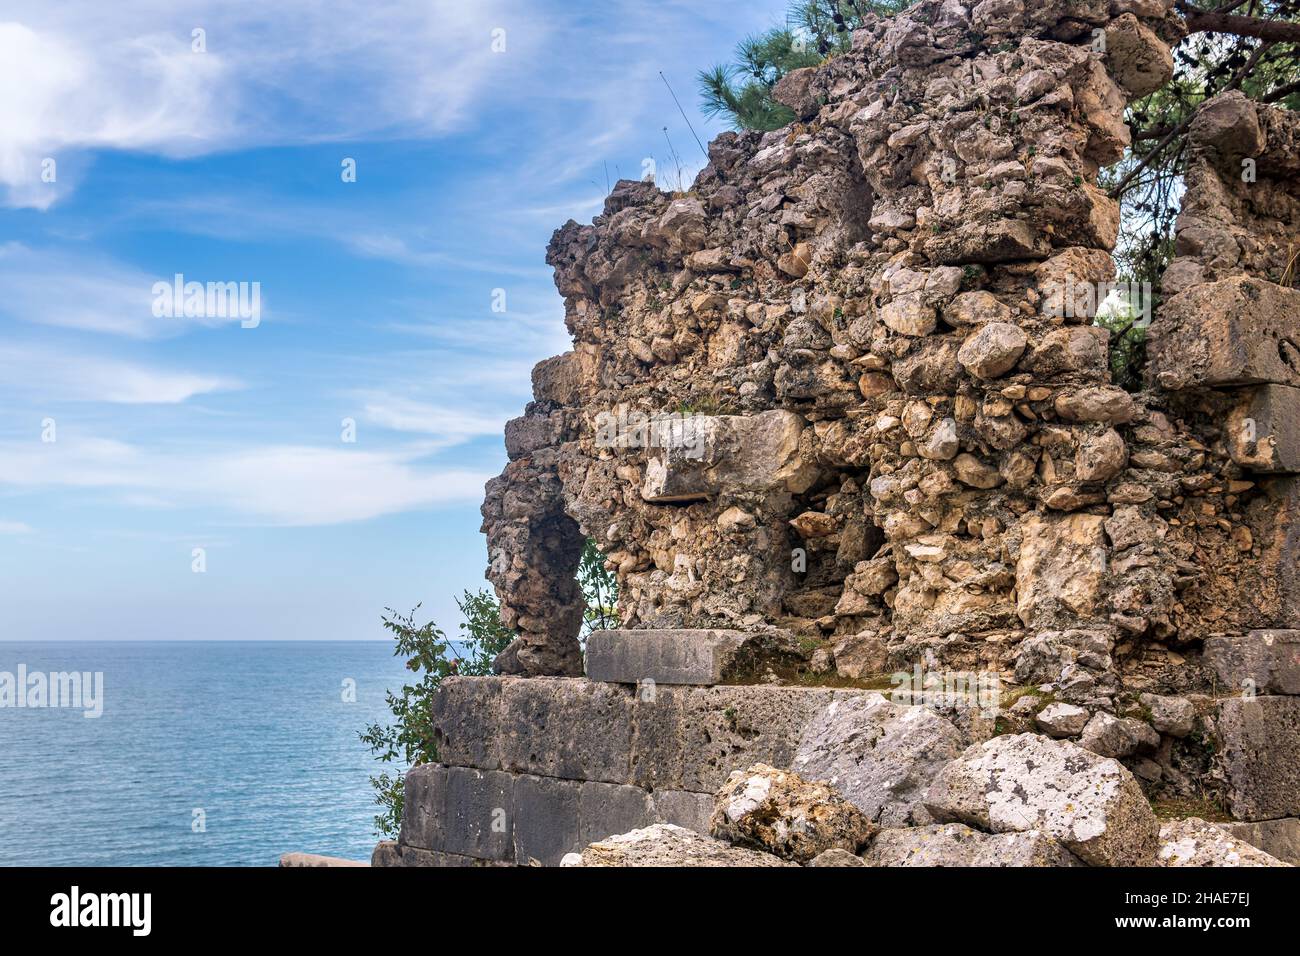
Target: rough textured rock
(700, 657)
(1019, 782)
(1062, 720)
(781, 813)
(880, 755)
(848, 386)
(835, 858)
(1277, 838)
(955, 844)
(1260, 662)
(1259, 741)
(667, 845)
(1112, 736)
(1193, 842)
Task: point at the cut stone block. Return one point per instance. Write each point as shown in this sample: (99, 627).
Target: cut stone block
(695, 457)
(389, 853)
(1237, 331)
(683, 808)
(732, 727)
(571, 729)
(1261, 662)
(1274, 519)
(662, 656)
(1259, 752)
(424, 806)
(606, 808)
(466, 717)
(479, 814)
(1264, 430)
(546, 820)
(1277, 838)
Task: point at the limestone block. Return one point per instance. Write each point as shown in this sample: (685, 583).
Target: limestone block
(1236, 331)
(566, 728)
(667, 845)
(1263, 430)
(1260, 662)
(546, 819)
(1277, 838)
(479, 814)
(1259, 753)
(661, 656)
(1020, 782)
(424, 806)
(466, 718)
(1193, 842)
(955, 844)
(605, 809)
(683, 808)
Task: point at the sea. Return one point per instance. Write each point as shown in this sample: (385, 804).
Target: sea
(204, 754)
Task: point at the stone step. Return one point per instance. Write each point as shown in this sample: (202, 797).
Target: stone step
(534, 768)
(496, 817)
(662, 656)
(656, 737)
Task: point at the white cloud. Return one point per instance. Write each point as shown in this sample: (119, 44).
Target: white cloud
(83, 74)
(284, 485)
(50, 374)
(74, 291)
(15, 527)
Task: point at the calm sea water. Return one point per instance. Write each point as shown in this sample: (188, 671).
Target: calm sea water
(255, 736)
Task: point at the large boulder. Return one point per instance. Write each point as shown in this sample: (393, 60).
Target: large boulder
(1194, 842)
(880, 755)
(779, 812)
(955, 844)
(1020, 782)
(666, 845)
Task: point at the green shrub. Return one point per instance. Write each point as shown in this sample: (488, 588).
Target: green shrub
(433, 657)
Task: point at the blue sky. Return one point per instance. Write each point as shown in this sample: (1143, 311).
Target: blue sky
(224, 165)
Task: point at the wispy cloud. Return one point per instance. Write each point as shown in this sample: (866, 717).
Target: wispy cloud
(270, 485)
(15, 527)
(75, 290)
(52, 374)
(82, 74)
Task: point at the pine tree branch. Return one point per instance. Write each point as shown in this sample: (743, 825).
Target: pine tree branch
(1212, 21)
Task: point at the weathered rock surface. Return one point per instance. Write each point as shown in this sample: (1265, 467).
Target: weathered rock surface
(667, 845)
(1020, 782)
(1259, 753)
(1277, 838)
(1112, 736)
(955, 844)
(1260, 662)
(1062, 720)
(880, 755)
(1193, 842)
(699, 657)
(779, 812)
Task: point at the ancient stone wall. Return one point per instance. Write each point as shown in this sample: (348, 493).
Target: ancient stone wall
(847, 393)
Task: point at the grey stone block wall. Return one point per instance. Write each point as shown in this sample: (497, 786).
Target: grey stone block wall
(534, 768)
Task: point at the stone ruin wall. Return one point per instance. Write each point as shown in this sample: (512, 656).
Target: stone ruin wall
(903, 444)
